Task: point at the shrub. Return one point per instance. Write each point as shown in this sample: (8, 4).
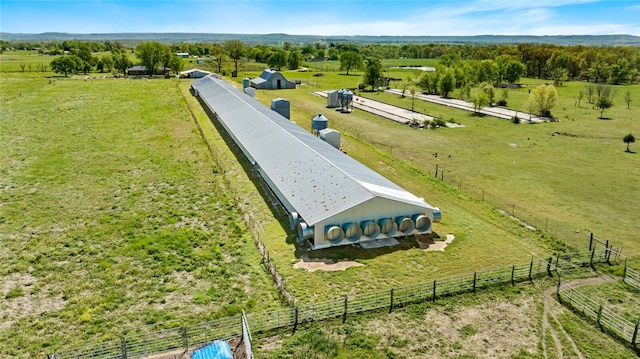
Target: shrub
(515, 119)
(501, 102)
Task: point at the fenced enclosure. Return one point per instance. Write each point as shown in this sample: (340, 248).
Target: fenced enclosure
(607, 320)
(174, 336)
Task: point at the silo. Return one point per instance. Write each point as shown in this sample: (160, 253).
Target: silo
(340, 93)
(245, 83)
(347, 101)
(281, 106)
(318, 123)
(332, 99)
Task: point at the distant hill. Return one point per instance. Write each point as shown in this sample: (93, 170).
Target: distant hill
(271, 39)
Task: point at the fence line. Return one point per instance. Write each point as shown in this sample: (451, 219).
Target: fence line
(607, 320)
(174, 336)
(631, 277)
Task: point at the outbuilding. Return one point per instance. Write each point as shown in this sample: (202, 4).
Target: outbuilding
(194, 73)
(331, 198)
(271, 79)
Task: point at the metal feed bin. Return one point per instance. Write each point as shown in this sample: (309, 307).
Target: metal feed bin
(318, 123)
(281, 106)
(346, 101)
(245, 82)
(332, 99)
(330, 136)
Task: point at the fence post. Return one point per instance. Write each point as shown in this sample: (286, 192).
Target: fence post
(513, 272)
(590, 241)
(593, 253)
(624, 274)
(436, 170)
(549, 262)
(557, 260)
(634, 340)
(391, 301)
(599, 316)
(123, 345)
(530, 270)
(475, 274)
(608, 254)
(185, 339)
(433, 298)
(295, 319)
(558, 291)
(344, 315)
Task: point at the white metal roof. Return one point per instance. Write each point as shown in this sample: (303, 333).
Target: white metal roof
(315, 178)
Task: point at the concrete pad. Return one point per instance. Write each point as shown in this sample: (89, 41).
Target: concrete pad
(379, 243)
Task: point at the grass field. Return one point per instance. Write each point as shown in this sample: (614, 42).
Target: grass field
(571, 177)
(113, 216)
(115, 213)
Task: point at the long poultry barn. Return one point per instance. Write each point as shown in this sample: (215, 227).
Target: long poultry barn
(331, 198)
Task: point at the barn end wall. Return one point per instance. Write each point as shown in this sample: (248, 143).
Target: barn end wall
(374, 213)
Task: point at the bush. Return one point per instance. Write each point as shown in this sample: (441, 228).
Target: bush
(501, 102)
(515, 119)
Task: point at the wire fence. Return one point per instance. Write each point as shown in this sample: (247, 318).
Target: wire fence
(631, 277)
(176, 337)
(608, 320)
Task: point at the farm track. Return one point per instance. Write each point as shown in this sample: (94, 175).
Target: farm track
(548, 313)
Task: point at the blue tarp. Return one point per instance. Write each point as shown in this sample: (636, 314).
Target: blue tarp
(215, 350)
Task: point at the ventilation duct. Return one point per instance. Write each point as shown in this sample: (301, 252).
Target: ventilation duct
(352, 231)
(388, 226)
(422, 222)
(370, 229)
(405, 225)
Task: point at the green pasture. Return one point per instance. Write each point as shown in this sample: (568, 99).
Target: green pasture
(113, 216)
(570, 177)
(115, 212)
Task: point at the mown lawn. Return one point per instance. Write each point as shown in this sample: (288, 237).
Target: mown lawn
(113, 215)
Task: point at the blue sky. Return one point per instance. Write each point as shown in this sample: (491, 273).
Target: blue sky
(327, 17)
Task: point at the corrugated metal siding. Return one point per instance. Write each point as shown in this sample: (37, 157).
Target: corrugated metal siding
(318, 180)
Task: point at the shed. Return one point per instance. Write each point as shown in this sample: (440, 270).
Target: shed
(331, 198)
(140, 70)
(272, 80)
(194, 73)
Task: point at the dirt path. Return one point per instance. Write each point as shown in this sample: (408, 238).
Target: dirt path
(547, 313)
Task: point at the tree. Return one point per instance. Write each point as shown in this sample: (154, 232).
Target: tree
(543, 98)
(627, 98)
(372, 71)
(175, 63)
(104, 63)
(277, 59)
(604, 97)
(629, 139)
(486, 71)
(295, 60)
(351, 59)
(479, 98)
(235, 50)
(580, 96)
(217, 56)
(151, 54)
(121, 62)
(513, 71)
(66, 64)
(447, 82)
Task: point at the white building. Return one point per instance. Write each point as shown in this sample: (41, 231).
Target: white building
(331, 198)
